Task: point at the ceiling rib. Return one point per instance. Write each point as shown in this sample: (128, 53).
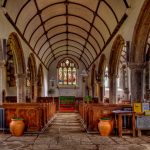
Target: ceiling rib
(71, 41)
(68, 15)
(95, 13)
(67, 56)
(19, 32)
(39, 13)
(66, 33)
(20, 11)
(110, 38)
(72, 47)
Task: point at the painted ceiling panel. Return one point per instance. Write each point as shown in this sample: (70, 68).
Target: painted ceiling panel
(25, 15)
(43, 50)
(11, 5)
(78, 30)
(110, 19)
(82, 26)
(76, 38)
(56, 30)
(52, 11)
(36, 35)
(41, 44)
(64, 42)
(95, 44)
(99, 24)
(98, 37)
(79, 22)
(118, 7)
(44, 3)
(45, 54)
(78, 45)
(82, 11)
(92, 4)
(31, 27)
(58, 38)
(54, 22)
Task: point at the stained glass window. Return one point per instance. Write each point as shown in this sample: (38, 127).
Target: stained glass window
(67, 72)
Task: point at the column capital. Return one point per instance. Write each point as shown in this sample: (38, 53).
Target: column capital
(113, 76)
(136, 66)
(2, 64)
(21, 75)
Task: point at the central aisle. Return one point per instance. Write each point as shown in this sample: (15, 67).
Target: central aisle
(67, 133)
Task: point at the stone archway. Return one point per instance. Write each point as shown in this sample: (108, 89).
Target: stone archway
(39, 81)
(114, 67)
(32, 78)
(138, 52)
(14, 45)
(100, 77)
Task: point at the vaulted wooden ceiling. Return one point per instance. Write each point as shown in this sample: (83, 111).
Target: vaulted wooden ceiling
(76, 28)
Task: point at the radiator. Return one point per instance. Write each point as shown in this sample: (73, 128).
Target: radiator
(2, 119)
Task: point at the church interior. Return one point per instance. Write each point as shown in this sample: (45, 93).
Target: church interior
(75, 74)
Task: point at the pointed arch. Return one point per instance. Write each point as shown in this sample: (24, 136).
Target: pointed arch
(32, 66)
(140, 35)
(102, 65)
(32, 76)
(93, 79)
(115, 55)
(14, 45)
(40, 81)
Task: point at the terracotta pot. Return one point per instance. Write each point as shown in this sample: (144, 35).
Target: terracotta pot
(105, 126)
(17, 127)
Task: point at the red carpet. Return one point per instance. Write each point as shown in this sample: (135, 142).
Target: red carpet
(66, 108)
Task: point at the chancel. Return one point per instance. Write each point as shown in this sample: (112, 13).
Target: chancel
(75, 74)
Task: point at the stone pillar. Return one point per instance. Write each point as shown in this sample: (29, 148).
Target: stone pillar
(2, 80)
(35, 90)
(21, 90)
(137, 79)
(113, 89)
(83, 86)
(100, 91)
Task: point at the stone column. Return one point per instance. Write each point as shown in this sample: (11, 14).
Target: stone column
(113, 89)
(100, 88)
(137, 79)
(2, 80)
(83, 86)
(21, 90)
(35, 90)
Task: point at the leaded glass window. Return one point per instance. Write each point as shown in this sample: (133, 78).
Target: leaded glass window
(67, 72)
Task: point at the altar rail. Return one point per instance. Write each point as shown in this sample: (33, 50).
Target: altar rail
(91, 113)
(35, 115)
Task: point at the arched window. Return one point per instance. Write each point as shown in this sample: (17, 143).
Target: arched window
(67, 72)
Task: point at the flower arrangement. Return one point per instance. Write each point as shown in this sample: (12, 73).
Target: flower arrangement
(87, 99)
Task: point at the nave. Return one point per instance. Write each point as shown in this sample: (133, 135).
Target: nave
(66, 132)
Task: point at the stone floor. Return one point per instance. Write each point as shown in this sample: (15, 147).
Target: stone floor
(66, 133)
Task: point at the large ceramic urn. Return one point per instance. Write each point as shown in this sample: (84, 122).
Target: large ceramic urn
(17, 126)
(105, 126)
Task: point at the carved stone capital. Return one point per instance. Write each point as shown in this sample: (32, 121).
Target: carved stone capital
(19, 76)
(136, 66)
(2, 64)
